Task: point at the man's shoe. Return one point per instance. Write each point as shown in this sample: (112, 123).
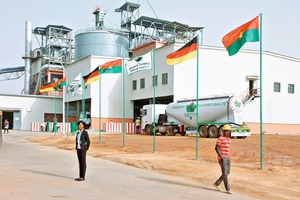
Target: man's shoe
(229, 192)
(217, 186)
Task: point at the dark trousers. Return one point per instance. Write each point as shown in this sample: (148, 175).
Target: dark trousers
(6, 129)
(137, 129)
(225, 167)
(81, 155)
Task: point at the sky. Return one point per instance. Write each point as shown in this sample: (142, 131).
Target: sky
(280, 24)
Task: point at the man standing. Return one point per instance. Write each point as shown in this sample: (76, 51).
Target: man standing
(6, 125)
(82, 145)
(137, 125)
(223, 150)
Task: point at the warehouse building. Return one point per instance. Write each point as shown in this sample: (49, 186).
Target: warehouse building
(22, 110)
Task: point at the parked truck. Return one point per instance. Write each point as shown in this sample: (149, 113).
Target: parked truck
(180, 117)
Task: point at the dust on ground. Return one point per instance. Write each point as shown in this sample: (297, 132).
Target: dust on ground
(176, 155)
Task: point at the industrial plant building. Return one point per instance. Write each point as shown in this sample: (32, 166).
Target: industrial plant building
(117, 96)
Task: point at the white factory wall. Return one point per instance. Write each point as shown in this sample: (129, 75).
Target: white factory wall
(160, 68)
(280, 107)
(111, 93)
(220, 74)
(80, 67)
(31, 107)
(111, 88)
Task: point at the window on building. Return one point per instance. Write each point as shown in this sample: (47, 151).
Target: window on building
(291, 88)
(134, 85)
(276, 87)
(164, 79)
(154, 80)
(142, 83)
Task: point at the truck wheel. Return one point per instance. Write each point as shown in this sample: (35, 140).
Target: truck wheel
(213, 132)
(220, 130)
(183, 133)
(170, 131)
(149, 130)
(203, 131)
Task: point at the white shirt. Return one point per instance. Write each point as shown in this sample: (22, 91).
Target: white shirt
(78, 139)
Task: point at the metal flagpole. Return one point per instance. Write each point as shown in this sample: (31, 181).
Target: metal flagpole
(54, 121)
(123, 118)
(261, 96)
(100, 135)
(154, 87)
(64, 108)
(197, 94)
(67, 110)
(83, 95)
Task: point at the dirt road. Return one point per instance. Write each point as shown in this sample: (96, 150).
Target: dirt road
(34, 172)
(279, 178)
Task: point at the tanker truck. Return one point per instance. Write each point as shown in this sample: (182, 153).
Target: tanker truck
(180, 117)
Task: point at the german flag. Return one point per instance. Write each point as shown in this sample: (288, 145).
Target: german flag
(112, 67)
(46, 88)
(91, 77)
(188, 51)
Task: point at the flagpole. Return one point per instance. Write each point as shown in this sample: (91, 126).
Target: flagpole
(54, 121)
(100, 134)
(260, 94)
(83, 96)
(67, 110)
(197, 94)
(64, 108)
(154, 91)
(123, 102)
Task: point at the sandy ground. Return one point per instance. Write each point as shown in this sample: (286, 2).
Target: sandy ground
(176, 155)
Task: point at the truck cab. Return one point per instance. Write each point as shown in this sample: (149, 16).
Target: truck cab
(148, 114)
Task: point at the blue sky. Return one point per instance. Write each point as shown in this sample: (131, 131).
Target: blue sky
(280, 21)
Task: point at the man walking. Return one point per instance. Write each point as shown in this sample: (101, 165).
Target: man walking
(223, 150)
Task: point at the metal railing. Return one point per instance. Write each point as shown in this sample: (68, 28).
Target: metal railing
(248, 95)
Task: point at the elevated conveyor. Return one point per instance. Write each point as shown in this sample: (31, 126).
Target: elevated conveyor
(11, 73)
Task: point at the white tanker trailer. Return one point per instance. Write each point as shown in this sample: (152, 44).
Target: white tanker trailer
(180, 117)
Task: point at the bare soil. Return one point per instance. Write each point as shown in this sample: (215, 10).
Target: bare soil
(279, 177)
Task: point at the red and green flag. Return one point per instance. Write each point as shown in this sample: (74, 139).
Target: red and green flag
(111, 67)
(60, 83)
(188, 51)
(91, 77)
(235, 39)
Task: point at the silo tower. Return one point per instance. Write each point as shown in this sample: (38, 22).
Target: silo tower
(100, 41)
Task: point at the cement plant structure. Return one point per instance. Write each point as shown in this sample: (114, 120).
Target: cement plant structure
(219, 74)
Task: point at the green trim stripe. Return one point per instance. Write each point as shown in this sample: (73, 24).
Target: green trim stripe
(64, 83)
(111, 70)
